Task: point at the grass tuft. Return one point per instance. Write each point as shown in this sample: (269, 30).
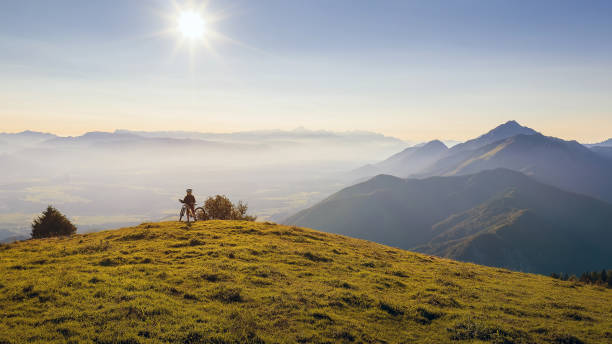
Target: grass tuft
(391, 308)
(228, 295)
(316, 258)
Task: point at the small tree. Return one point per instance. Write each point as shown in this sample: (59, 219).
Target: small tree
(220, 207)
(239, 212)
(52, 223)
(604, 275)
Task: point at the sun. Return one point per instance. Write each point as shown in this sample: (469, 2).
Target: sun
(191, 25)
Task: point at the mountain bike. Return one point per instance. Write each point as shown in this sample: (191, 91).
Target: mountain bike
(197, 214)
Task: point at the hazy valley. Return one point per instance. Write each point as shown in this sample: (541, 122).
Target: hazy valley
(105, 180)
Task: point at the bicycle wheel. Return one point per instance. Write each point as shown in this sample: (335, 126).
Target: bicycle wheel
(182, 214)
(200, 214)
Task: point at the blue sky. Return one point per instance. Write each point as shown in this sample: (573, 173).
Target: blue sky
(413, 69)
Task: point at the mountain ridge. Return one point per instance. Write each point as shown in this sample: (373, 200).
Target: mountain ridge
(565, 164)
(413, 213)
(503, 131)
(406, 162)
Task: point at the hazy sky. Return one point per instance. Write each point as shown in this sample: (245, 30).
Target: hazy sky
(413, 69)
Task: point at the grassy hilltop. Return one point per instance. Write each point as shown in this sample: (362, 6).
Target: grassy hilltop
(245, 282)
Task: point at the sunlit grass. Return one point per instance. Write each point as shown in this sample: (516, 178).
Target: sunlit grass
(236, 282)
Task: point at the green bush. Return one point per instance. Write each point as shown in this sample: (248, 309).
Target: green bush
(220, 207)
(52, 223)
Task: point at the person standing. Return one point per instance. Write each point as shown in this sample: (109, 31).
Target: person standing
(190, 201)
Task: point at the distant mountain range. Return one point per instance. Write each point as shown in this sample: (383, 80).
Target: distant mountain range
(407, 162)
(259, 136)
(495, 217)
(415, 160)
(510, 197)
(504, 131)
(368, 143)
(565, 164)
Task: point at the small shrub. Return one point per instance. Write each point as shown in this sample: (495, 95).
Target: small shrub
(220, 207)
(52, 223)
(239, 212)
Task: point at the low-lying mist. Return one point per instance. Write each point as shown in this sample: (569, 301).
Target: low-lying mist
(104, 180)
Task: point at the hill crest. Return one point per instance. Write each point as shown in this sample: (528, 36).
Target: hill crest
(245, 282)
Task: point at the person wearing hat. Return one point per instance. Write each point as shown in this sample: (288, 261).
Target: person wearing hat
(190, 201)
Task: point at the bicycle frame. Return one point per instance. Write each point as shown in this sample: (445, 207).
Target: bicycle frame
(187, 210)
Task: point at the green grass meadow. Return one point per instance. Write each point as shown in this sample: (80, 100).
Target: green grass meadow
(251, 282)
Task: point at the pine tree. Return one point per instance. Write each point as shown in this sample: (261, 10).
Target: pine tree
(52, 223)
(604, 275)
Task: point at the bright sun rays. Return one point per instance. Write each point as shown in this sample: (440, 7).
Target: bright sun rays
(191, 25)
